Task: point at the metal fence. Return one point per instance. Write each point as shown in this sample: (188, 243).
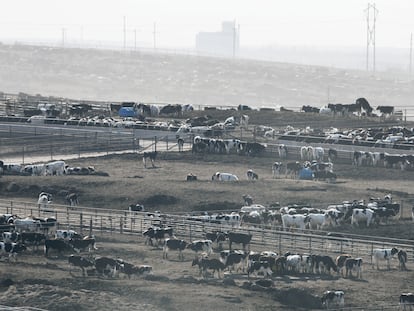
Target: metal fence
(96, 220)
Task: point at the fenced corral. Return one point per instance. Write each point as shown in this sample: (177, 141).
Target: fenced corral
(96, 220)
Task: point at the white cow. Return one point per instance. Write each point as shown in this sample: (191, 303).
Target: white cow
(316, 221)
(282, 149)
(295, 221)
(358, 215)
(55, 168)
(224, 177)
(35, 169)
(44, 199)
(26, 224)
(306, 153)
(383, 254)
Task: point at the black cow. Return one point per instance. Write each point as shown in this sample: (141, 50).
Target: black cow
(79, 261)
(171, 109)
(324, 263)
(175, 245)
(217, 236)
(363, 104)
(72, 199)
(239, 238)
(59, 245)
(293, 168)
(149, 155)
(206, 264)
(332, 155)
(33, 238)
(386, 110)
(308, 108)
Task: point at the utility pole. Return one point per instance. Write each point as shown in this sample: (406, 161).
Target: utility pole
(124, 32)
(234, 39)
(135, 39)
(371, 12)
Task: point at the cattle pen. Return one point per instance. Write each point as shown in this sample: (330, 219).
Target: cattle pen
(97, 220)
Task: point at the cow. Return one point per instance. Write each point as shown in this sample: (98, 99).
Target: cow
(366, 215)
(340, 262)
(171, 109)
(158, 234)
(57, 244)
(333, 299)
(251, 175)
(13, 169)
(386, 110)
(235, 259)
(33, 238)
(206, 264)
(11, 249)
(79, 261)
(175, 245)
(316, 221)
(26, 224)
(332, 155)
(406, 301)
(295, 221)
(402, 260)
(57, 168)
(149, 155)
(201, 246)
(67, 235)
(259, 267)
(46, 224)
(130, 269)
(106, 266)
(239, 238)
(87, 242)
(383, 254)
(72, 199)
(248, 200)
(9, 237)
(34, 170)
(276, 169)
(324, 264)
(318, 154)
(44, 199)
(216, 236)
(353, 264)
(283, 151)
(224, 177)
(361, 158)
(292, 169)
(306, 153)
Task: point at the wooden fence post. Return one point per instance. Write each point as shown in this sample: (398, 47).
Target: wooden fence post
(90, 227)
(81, 223)
(121, 225)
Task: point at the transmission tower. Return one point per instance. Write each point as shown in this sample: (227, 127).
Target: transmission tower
(371, 12)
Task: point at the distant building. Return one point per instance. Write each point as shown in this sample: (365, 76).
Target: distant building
(223, 43)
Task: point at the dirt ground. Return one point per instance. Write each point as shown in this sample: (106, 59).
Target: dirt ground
(47, 282)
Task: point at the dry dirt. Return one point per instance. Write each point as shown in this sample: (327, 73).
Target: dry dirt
(47, 283)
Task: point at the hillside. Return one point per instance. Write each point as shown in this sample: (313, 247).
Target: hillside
(135, 76)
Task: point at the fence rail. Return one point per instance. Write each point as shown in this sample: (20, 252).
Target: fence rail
(92, 220)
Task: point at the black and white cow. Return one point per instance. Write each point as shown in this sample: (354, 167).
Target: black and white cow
(158, 234)
(206, 264)
(9, 237)
(152, 155)
(26, 224)
(106, 266)
(383, 254)
(252, 175)
(259, 267)
(239, 238)
(204, 246)
(353, 264)
(130, 269)
(217, 236)
(277, 169)
(234, 260)
(340, 262)
(67, 234)
(33, 238)
(11, 249)
(333, 299)
(79, 261)
(283, 151)
(174, 245)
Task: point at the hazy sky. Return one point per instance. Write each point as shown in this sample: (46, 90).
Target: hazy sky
(262, 22)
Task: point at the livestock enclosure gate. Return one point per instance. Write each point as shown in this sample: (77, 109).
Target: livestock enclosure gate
(98, 221)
